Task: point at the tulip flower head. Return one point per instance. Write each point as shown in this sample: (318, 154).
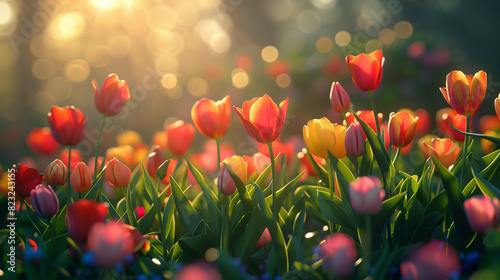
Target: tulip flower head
(366, 70)
(212, 118)
(444, 150)
(225, 182)
(110, 243)
(320, 138)
(81, 177)
(366, 195)
(402, 127)
(44, 201)
(262, 119)
(354, 140)
(265, 238)
(26, 179)
(447, 116)
(56, 173)
(67, 125)
(465, 93)
(424, 122)
(339, 99)
(198, 271)
(129, 137)
(76, 157)
(482, 212)
(117, 173)
(367, 116)
(82, 215)
(497, 106)
(41, 141)
(180, 135)
(113, 96)
(155, 159)
(339, 253)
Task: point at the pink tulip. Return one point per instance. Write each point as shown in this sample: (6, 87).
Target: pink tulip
(44, 201)
(366, 195)
(354, 140)
(482, 212)
(339, 99)
(110, 243)
(81, 178)
(339, 253)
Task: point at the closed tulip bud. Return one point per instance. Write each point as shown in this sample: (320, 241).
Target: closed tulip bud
(81, 177)
(225, 182)
(265, 238)
(339, 253)
(44, 201)
(212, 118)
(339, 99)
(67, 125)
(366, 195)
(319, 136)
(110, 243)
(56, 173)
(113, 96)
(465, 93)
(366, 69)
(155, 159)
(41, 141)
(402, 127)
(482, 212)
(140, 212)
(180, 136)
(444, 150)
(117, 173)
(82, 215)
(367, 116)
(26, 179)
(354, 140)
(434, 260)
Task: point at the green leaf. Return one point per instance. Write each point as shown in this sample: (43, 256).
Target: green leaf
(145, 222)
(111, 209)
(169, 221)
(194, 247)
(334, 212)
(204, 187)
(487, 174)
(427, 226)
(489, 138)
(318, 169)
(35, 220)
(282, 193)
(366, 166)
(263, 176)
(486, 187)
(246, 243)
(388, 207)
(93, 193)
(242, 191)
(189, 217)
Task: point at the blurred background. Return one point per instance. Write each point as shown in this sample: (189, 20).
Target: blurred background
(172, 53)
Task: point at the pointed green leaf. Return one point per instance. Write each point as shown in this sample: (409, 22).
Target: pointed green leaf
(486, 187)
(242, 191)
(189, 217)
(204, 187)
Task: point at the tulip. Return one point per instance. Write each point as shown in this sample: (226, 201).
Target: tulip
(180, 135)
(402, 127)
(113, 97)
(225, 182)
(198, 271)
(110, 243)
(339, 253)
(40, 141)
(76, 157)
(423, 142)
(265, 238)
(424, 122)
(26, 179)
(354, 140)
(447, 116)
(124, 153)
(56, 173)
(339, 99)
(262, 119)
(81, 178)
(497, 106)
(44, 201)
(170, 171)
(366, 70)
(140, 212)
(67, 125)
(444, 150)
(82, 215)
(434, 260)
(319, 135)
(367, 116)
(129, 137)
(465, 93)
(212, 118)
(366, 195)
(160, 139)
(489, 122)
(482, 212)
(139, 240)
(155, 159)
(340, 132)
(488, 146)
(117, 173)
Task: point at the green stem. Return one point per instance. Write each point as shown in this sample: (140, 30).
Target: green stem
(396, 157)
(51, 229)
(375, 113)
(429, 189)
(345, 119)
(218, 166)
(330, 178)
(69, 175)
(273, 170)
(367, 242)
(356, 166)
(98, 143)
(464, 155)
(160, 219)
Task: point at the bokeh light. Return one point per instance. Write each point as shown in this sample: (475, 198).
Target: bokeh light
(343, 38)
(269, 53)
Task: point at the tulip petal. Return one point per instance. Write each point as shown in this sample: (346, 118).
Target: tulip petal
(263, 115)
(249, 127)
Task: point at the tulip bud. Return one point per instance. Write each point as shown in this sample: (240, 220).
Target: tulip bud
(444, 150)
(366, 195)
(113, 97)
(140, 212)
(482, 212)
(44, 201)
(110, 243)
(339, 254)
(225, 182)
(402, 127)
(67, 125)
(180, 136)
(339, 99)
(82, 215)
(265, 238)
(56, 173)
(81, 177)
(155, 159)
(366, 70)
(117, 173)
(354, 140)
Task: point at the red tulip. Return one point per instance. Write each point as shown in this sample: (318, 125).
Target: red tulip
(82, 215)
(67, 125)
(482, 212)
(113, 97)
(44, 201)
(26, 179)
(180, 135)
(110, 243)
(367, 116)
(465, 93)
(265, 238)
(366, 70)
(262, 119)
(155, 159)
(447, 116)
(444, 150)
(160, 139)
(212, 118)
(81, 178)
(56, 173)
(366, 195)
(402, 127)
(424, 122)
(354, 140)
(170, 171)
(76, 157)
(40, 141)
(339, 253)
(434, 260)
(490, 122)
(117, 173)
(140, 212)
(339, 99)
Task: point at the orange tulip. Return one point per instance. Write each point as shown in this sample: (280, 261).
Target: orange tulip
(339, 99)
(465, 93)
(424, 122)
(447, 116)
(497, 105)
(262, 119)
(402, 128)
(490, 122)
(41, 141)
(117, 173)
(67, 125)
(81, 178)
(180, 135)
(212, 118)
(155, 159)
(113, 97)
(366, 70)
(445, 151)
